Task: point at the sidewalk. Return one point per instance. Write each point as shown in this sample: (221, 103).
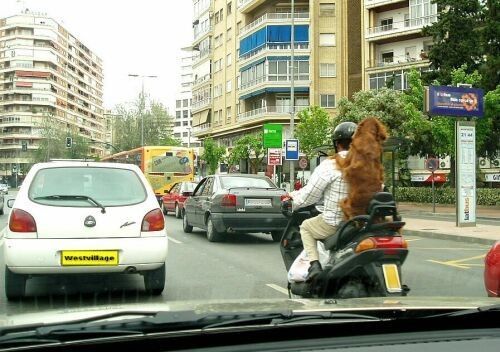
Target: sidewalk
(446, 228)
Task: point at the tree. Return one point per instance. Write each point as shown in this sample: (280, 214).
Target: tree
(250, 147)
(212, 154)
(456, 40)
(128, 125)
(490, 45)
(313, 130)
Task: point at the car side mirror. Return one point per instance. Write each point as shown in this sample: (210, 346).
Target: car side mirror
(10, 203)
(187, 194)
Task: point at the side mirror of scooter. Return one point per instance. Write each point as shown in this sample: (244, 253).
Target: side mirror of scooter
(286, 206)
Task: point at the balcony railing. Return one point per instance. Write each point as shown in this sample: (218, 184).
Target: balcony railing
(202, 79)
(268, 110)
(273, 79)
(202, 56)
(201, 33)
(201, 104)
(201, 128)
(396, 60)
(268, 47)
(401, 26)
(373, 3)
(273, 17)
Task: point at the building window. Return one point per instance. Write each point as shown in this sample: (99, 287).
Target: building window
(216, 116)
(228, 112)
(178, 104)
(386, 24)
(327, 70)
(229, 8)
(391, 79)
(327, 9)
(184, 134)
(218, 65)
(185, 123)
(185, 103)
(228, 34)
(177, 135)
(327, 39)
(229, 59)
(178, 124)
(327, 100)
(229, 86)
(177, 114)
(185, 114)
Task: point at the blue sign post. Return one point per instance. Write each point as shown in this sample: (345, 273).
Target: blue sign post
(292, 149)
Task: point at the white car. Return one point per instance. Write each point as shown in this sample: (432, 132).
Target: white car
(84, 217)
(4, 188)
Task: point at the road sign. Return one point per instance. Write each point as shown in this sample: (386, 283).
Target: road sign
(302, 163)
(292, 149)
(273, 135)
(274, 156)
(432, 164)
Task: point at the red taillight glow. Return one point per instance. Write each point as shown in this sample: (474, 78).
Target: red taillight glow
(21, 221)
(153, 221)
(229, 200)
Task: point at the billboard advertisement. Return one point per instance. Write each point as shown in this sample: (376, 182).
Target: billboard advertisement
(455, 101)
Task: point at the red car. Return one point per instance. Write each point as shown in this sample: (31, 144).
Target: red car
(174, 199)
(492, 271)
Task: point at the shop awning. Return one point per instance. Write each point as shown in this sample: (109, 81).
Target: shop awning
(201, 118)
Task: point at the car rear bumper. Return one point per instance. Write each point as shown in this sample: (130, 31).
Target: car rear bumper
(43, 256)
(249, 222)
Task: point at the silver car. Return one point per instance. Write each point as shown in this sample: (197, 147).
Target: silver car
(232, 203)
(4, 188)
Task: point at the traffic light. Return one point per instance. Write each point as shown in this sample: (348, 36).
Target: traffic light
(69, 142)
(24, 146)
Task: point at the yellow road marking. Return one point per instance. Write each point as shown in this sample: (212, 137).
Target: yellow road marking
(459, 263)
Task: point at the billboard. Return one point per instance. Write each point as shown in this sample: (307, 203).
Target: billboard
(455, 101)
(273, 135)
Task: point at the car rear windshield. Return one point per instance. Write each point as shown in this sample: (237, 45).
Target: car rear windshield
(108, 186)
(233, 182)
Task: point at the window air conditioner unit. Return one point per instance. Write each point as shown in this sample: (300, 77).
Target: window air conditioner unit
(484, 163)
(444, 163)
(495, 163)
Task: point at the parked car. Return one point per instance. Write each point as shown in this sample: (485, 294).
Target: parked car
(4, 188)
(492, 271)
(232, 203)
(2, 204)
(174, 199)
(84, 217)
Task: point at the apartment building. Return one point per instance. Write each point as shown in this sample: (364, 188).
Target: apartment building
(392, 40)
(183, 119)
(242, 69)
(45, 71)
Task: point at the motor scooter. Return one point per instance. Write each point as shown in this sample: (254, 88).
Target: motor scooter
(366, 253)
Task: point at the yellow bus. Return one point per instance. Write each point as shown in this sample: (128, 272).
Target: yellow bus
(163, 166)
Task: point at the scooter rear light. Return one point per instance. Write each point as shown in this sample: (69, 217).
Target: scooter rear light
(366, 244)
(389, 243)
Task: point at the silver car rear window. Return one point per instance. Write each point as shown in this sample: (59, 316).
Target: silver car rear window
(108, 186)
(232, 182)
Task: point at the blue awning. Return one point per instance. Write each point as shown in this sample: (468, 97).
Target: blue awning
(273, 34)
(273, 90)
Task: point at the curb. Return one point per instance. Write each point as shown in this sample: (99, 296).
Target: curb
(445, 236)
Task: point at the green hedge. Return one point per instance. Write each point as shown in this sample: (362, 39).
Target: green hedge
(485, 196)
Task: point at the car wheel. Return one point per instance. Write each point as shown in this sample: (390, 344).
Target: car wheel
(177, 211)
(15, 285)
(154, 281)
(276, 235)
(212, 234)
(185, 225)
(163, 209)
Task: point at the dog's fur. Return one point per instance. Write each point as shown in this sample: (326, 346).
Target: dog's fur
(362, 168)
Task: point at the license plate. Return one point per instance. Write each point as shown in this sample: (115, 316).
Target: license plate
(89, 258)
(258, 202)
(391, 276)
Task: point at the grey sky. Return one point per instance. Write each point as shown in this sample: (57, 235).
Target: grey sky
(131, 36)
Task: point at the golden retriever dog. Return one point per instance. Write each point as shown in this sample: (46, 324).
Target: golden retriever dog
(362, 168)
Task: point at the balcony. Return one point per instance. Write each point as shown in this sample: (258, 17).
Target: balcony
(198, 59)
(369, 4)
(200, 34)
(245, 6)
(202, 80)
(267, 81)
(274, 49)
(202, 128)
(274, 18)
(397, 61)
(401, 28)
(282, 112)
(200, 105)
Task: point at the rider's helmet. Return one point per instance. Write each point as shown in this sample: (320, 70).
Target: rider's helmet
(344, 132)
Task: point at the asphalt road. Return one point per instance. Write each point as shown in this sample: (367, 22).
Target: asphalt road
(245, 266)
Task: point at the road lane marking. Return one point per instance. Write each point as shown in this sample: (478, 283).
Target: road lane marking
(460, 263)
(412, 239)
(278, 288)
(174, 240)
(452, 248)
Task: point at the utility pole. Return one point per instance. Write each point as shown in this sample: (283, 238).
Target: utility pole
(143, 101)
(292, 92)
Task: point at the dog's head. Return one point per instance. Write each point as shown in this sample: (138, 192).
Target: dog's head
(371, 127)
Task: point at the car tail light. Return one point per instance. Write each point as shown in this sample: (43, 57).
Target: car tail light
(229, 200)
(387, 242)
(21, 221)
(153, 221)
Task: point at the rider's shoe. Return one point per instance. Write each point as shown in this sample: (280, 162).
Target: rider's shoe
(314, 270)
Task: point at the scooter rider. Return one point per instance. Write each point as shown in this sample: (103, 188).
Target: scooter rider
(326, 181)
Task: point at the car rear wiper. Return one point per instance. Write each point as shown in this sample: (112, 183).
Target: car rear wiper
(72, 197)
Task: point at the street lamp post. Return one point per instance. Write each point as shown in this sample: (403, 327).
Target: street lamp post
(292, 91)
(144, 99)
